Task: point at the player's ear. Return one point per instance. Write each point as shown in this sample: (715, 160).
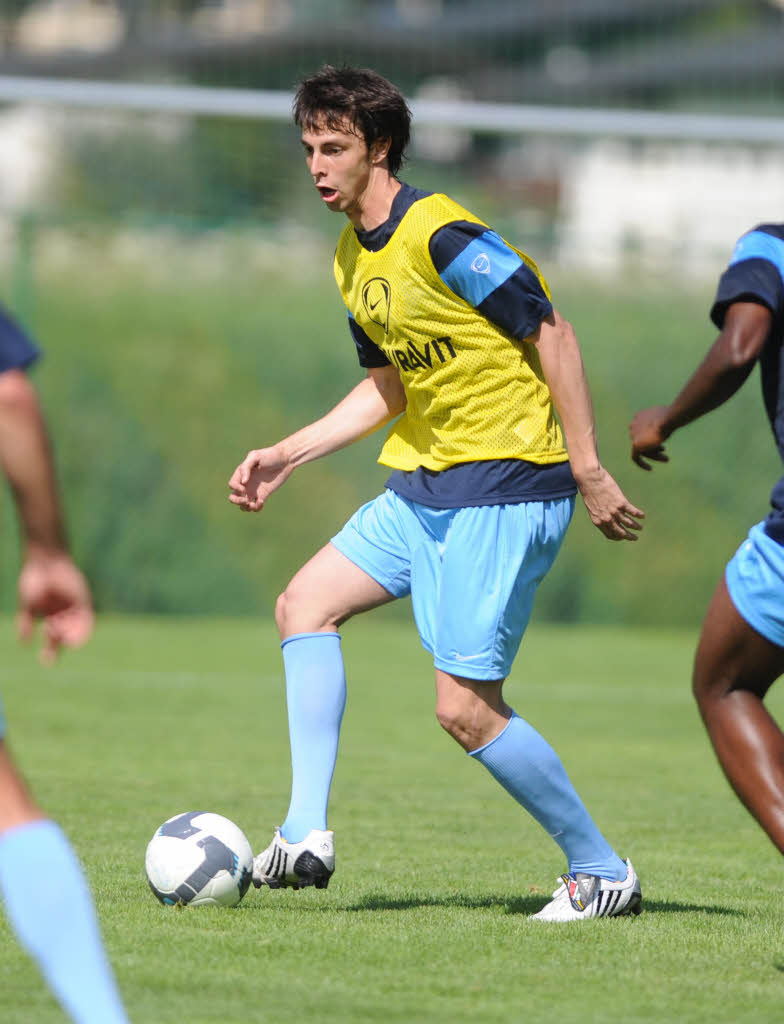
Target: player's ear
(379, 151)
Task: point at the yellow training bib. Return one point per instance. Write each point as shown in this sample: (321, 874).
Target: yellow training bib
(473, 391)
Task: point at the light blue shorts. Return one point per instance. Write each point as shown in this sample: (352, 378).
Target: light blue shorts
(471, 572)
(755, 581)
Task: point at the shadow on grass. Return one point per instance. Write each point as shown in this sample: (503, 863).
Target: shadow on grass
(510, 905)
(377, 902)
(513, 905)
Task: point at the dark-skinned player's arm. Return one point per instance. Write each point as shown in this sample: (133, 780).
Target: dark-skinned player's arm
(728, 363)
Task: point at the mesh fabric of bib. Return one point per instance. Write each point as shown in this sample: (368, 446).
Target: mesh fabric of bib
(473, 392)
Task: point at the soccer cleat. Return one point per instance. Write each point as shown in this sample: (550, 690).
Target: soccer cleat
(283, 864)
(582, 896)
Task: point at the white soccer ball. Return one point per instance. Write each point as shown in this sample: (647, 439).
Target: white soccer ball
(197, 858)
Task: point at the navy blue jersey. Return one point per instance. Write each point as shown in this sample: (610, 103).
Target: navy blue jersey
(486, 482)
(513, 299)
(511, 296)
(756, 274)
(16, 350)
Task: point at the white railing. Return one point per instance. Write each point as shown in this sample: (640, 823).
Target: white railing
(503, 118)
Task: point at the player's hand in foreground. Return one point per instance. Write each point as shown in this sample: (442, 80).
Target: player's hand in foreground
(609, 508)
(53, 590)
(648, 436)
(260, 473)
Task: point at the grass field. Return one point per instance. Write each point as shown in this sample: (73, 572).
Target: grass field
(427, 917)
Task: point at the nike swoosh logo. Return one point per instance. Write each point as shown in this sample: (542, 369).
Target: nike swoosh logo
(374, 304)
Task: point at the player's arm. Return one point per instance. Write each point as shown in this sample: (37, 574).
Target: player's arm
(50, 585)
(484, 271)
(564, 373)
(373, 402)
(26, 460)
(728, 363)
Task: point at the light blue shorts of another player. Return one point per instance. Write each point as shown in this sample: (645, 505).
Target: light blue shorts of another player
(471, 572)
(755, 581)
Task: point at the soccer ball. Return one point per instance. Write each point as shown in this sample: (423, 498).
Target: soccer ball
(197, 858)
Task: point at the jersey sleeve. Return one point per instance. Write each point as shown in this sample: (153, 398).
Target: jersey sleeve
(478, 266)
(17, 351)
(370, 355)
(755, 274)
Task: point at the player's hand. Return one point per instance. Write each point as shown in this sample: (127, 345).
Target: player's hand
(261, 472)
(609, 508)
(51, 589)
(648, 436)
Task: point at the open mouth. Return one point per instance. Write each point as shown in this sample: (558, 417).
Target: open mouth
(327, 193)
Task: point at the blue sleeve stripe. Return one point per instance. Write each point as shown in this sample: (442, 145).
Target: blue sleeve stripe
(760, 245)
(485, 264)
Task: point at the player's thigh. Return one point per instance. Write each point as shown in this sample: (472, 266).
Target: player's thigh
(742, 640)
(326, 592)
(16, 804)
(732, 654)
(380, 537)
(492, 563)
(366, 564)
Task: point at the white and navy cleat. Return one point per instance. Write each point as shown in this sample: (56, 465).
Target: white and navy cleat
(296, 865)
(581, 896)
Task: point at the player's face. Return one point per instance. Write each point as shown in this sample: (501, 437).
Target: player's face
(340, 165)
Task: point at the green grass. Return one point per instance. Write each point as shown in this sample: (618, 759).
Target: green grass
(427, 918)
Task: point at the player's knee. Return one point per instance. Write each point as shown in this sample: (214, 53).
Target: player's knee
(17, 393)
(455, 719)
(301, 610)
(17, 806)
(283, 607)
(700, 693)
(712, 680)
(446, 718)
(707, 686)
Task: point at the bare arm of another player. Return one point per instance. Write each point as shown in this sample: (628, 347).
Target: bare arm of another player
(372, 403)
(728, 363)
(564, 373)
(50, 585)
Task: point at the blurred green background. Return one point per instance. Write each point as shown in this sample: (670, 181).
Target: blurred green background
(158, 382)
(176, 269)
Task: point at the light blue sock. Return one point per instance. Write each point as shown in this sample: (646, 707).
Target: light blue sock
(530, 770)
(51, 911)
(316, 698)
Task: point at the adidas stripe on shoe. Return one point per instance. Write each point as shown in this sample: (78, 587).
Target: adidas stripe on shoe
(296, 865)
(581, 896)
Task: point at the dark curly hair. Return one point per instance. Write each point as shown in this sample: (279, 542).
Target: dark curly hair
(360, 98)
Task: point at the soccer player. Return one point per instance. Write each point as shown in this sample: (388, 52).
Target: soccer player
(463, 350)
(43, 888)
(741, 648)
